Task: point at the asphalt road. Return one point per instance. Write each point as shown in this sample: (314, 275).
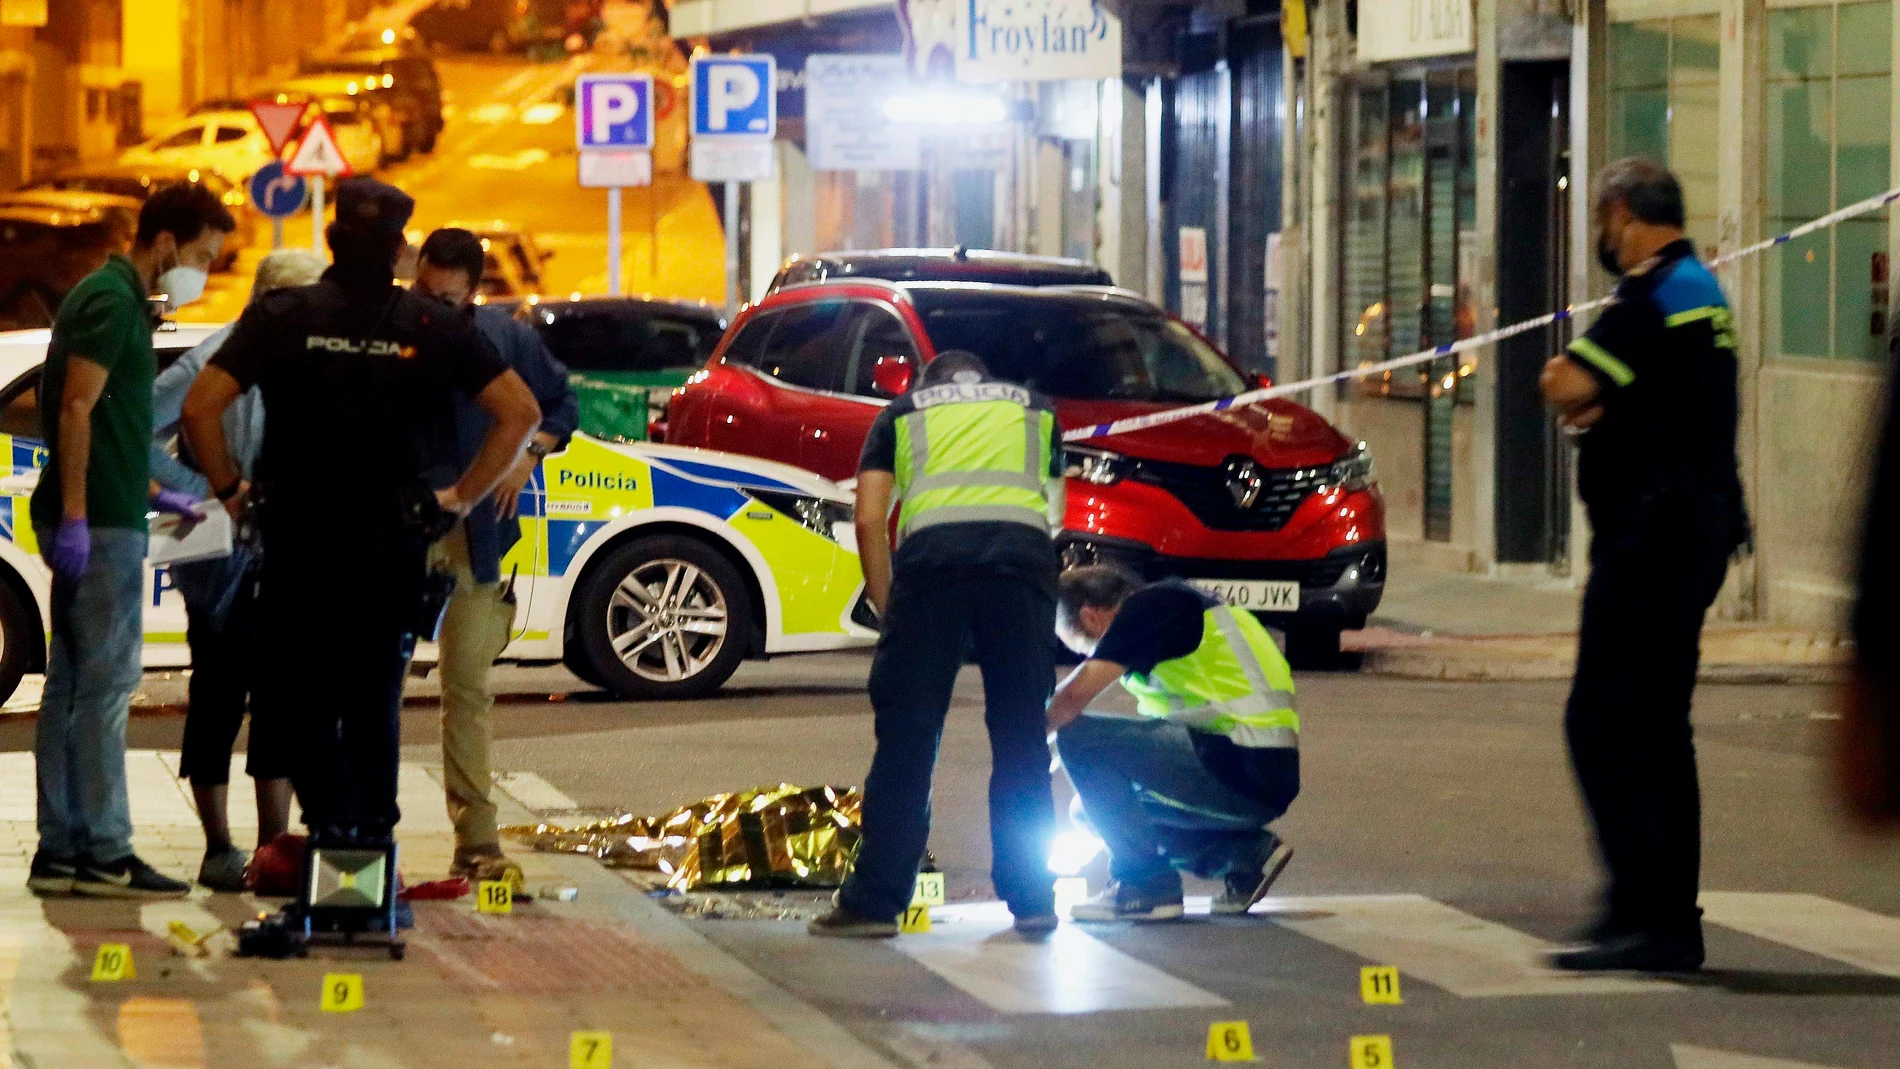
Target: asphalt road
(1438, 832)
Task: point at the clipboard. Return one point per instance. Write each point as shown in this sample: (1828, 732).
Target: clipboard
(180, 540)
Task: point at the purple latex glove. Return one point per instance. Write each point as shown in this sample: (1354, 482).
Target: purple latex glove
(72, 548)
(179, 503)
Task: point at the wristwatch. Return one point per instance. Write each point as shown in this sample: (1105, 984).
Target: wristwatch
(538, 451)
(228, 492)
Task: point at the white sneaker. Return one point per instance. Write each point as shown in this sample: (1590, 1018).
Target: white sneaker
(1118, 902)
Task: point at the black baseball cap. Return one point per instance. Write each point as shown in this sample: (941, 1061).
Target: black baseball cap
(375, 205)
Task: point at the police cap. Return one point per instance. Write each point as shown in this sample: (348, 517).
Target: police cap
(370, 204)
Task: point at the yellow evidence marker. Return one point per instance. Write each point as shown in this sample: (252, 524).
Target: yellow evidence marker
(494, 896)
(590, 1050)
(914, 921)
(113, 962)
(929, 890)
(342, 992)
(1229, 1041)
(1379, 985)
(1370, 1052)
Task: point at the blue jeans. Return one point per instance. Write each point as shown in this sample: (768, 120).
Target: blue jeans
(1159, 809)
(931, 620)
(92, 668)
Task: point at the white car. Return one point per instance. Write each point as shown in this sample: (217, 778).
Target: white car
(651, 570)
(228, 142)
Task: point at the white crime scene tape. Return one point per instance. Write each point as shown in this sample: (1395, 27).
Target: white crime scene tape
(1174, 415)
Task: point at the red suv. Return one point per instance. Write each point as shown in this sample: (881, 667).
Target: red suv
(1266, 505)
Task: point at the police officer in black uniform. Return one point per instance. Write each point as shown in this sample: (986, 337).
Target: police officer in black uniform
(358, 379)
(1650, 389)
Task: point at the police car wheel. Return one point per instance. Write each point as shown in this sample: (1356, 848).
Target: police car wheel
(19, 629)
(664, 617)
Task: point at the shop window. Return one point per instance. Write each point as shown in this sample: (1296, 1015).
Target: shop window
(1828, 102)
(1664, 83)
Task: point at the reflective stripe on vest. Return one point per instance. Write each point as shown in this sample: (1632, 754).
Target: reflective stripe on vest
(1239, 687)
(954, 465)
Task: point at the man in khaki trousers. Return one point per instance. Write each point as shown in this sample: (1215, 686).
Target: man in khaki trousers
(480, 617)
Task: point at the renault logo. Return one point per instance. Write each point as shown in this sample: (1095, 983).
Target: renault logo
(1244, 482)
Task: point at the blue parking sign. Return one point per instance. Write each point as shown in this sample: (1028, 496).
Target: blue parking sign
(734, 96)
(614, 111)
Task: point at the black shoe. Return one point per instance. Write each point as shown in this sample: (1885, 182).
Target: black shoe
(1036, 925)
(1635, 952)
(223, 869)
(50, 875)
(841, 923)
(1246, 889)
(128, 877)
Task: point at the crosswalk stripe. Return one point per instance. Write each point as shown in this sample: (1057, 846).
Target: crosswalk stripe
(1703, 1058)
(1817, 925)
(1070, 972)
(1466, 955)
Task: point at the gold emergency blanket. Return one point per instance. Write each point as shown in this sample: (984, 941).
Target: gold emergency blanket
(781, 836)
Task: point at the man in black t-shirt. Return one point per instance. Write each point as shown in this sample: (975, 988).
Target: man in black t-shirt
(1651, 390)
(1192, 783)
(358, 378)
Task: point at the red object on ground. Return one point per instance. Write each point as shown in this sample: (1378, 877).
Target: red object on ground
(437, 890)
(273, 869)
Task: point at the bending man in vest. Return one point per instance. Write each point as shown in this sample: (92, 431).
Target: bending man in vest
(1192, 783)
(975, 467)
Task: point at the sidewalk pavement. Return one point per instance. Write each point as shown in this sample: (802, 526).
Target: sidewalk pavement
(475, 990)
(1435, 623)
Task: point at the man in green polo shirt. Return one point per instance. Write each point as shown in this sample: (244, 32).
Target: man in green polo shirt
(89, 516)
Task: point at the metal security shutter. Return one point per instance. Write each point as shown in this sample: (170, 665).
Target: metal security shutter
(1258, 127)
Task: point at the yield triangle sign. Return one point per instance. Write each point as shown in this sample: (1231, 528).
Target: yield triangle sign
(278, 121)
(317, 152)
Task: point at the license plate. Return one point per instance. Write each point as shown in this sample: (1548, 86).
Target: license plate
(1260, 595)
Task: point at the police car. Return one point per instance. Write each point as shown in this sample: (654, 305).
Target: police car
(650, 570)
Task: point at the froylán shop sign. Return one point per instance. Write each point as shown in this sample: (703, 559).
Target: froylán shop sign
(1408, 29)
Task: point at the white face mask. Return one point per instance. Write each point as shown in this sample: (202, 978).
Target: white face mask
(182, 284)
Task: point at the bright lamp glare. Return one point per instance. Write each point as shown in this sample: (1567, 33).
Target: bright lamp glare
(1072, 851)
(946, 109)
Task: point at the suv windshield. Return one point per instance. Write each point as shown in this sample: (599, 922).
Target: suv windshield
(1083, 348)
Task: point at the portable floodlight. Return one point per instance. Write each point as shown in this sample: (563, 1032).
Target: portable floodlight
(346, 878)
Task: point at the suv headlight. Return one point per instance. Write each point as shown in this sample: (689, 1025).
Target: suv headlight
(831, 519)
(1353, 471)
(1096, 466)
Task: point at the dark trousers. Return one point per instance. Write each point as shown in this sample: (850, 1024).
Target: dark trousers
(337, 655)
(224, 668)
(1652, 579)
(930, 622)
(1160, 810)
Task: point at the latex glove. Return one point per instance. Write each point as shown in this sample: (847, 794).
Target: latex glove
(178, 503)
(71, 549)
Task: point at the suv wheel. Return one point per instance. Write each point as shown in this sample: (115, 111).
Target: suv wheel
(1315, 648)
(19, 629)
(663, 617)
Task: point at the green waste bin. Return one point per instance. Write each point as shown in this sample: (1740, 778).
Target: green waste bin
(614, 411)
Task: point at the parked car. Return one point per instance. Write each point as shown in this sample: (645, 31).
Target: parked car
(139, 181)
(404, 71)
(650, 570)
(940, 265)
(341, 93)
(625, 356)
(49, 240)
(229, 143)
(1266, 505)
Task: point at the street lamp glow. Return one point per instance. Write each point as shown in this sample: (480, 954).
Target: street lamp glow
(946, 109)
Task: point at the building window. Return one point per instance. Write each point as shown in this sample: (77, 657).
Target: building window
(1664, 84)
(1828, 101)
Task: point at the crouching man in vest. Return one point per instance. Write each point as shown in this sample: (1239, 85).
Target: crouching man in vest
(1191, 784)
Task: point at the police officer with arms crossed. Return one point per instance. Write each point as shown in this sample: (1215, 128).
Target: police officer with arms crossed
(975, 467)
(1191, 784)
(1650, 389)
(358, 378)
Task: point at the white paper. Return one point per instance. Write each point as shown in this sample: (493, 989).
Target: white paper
(178, 540)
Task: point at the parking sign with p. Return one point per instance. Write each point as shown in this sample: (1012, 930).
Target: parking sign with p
(614, 111)
(734, 96)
